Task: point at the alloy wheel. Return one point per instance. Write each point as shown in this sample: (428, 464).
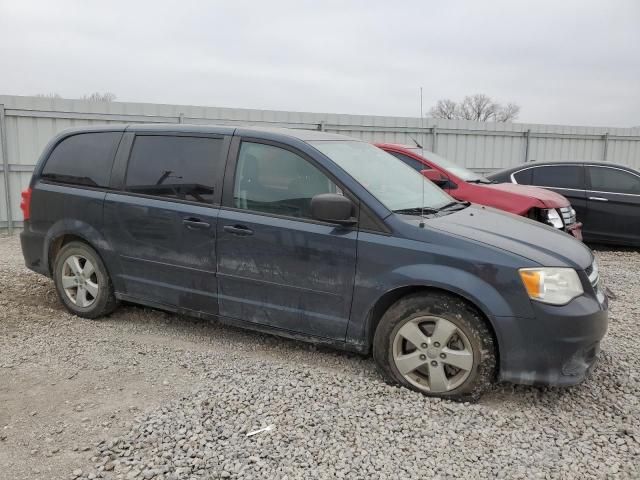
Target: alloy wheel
(432, 354)
(80, 281)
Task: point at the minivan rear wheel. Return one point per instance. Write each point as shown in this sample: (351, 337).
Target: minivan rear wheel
(436, 344)
(82, 281)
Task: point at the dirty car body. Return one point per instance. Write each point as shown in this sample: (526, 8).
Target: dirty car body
(215, 245)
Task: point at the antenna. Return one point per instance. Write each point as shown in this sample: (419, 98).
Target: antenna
(421, 225)
(416, 142)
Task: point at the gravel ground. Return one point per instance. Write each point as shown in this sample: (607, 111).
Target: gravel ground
(146, 394)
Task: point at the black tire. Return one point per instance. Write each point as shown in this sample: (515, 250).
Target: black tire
(105, 301)
(454, 310)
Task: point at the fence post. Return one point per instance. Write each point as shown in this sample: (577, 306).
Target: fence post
(527, 135)
(321, 126)
(605, 137)
(5, 168)
(181, 118)
(434, 146)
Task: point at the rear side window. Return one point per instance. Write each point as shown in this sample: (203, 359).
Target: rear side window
(561, 176)
(176, 167)
(604, 179)
(83, 159)
(412, 162)
(523, 177)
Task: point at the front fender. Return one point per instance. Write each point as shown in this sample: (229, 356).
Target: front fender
(474, 287)
(477, 287)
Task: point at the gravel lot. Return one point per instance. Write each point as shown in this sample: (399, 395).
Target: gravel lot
(145, 394)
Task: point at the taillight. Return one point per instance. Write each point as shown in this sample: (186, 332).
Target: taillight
(25, 204)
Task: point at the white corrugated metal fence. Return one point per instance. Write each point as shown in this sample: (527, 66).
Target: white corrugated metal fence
(27, 123)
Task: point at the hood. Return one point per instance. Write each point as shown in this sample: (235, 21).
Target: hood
(521, 198)
(524, 237)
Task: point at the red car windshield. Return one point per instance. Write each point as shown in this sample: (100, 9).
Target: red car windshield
(460, 172)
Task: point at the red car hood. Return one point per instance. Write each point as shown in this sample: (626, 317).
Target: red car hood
(519, 199)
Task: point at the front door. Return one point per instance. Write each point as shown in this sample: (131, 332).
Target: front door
(276, 265)
(613, 205)
(162, 226)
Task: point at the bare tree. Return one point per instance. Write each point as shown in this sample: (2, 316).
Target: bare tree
(447, 109)
(508, 113)
(478, 107)
(100, 97)
(48, 95)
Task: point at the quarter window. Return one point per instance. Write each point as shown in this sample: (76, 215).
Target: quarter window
(523, 177)
(274, 180)
(83, 159)
(605, 179)
(184, 168)
(560, 176)
(412, 162)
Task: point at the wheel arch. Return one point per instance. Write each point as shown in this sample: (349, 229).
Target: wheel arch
(392, 296)
(56, 245)
(63, 232)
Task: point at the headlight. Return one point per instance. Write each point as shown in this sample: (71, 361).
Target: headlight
(594, 267)
(594, 276)
(556, 286)
(553, 218)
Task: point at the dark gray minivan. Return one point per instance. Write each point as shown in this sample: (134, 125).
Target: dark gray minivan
(318, 237)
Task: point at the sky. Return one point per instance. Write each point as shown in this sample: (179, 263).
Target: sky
(564, 62)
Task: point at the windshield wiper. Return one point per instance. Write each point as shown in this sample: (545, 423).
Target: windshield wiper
(416, 210)
(481, 180)
(450, 205)
(421, 210)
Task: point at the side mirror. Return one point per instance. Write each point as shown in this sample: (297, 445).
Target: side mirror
(436, 177)
(332, 208)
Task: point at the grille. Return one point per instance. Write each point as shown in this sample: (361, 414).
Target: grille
(568, 217)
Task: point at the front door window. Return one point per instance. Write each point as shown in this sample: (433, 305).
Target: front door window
(276, 181)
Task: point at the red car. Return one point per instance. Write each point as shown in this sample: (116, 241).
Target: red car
(463, 184)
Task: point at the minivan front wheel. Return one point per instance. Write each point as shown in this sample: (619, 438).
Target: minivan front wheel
(436, 344)
(82, 281)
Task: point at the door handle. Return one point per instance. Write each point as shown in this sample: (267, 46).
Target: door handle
(193, 223)
(599, 199)
(240, 230)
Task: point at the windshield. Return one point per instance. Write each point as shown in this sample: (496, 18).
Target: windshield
(395, 184)
(460, 172)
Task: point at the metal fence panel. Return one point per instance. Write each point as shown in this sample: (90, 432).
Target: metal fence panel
(27, 124)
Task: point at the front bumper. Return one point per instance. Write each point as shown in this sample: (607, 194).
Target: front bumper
(559, 346)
